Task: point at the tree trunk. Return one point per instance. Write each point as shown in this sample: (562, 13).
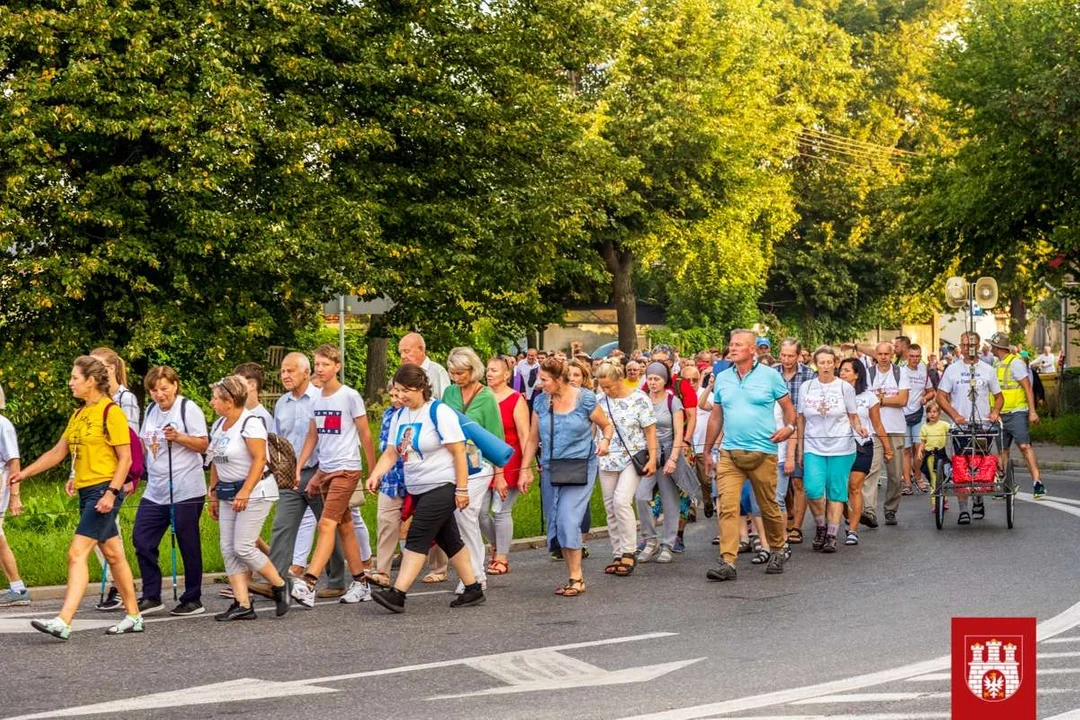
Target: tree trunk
(1017, 318)
(620, 263)
(377, 345)
(532, 339)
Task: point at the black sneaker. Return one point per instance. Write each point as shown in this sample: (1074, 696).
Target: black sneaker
(868, 519)
(148, 606)
(236, 612)
(111, 602)
(282, 601)
(584, 551)
(819, 538)
(710, 509)
(722, 572)
(191, 607)
(473, 595)
(776, 563)
(556, 555)
(830, 544)
(890, 518)
(390, 598)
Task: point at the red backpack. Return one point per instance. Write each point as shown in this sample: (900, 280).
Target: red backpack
(137, 471)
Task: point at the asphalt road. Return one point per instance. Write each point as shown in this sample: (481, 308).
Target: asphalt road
(661, 643)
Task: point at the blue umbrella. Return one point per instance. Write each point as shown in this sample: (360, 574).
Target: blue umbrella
(604, 350)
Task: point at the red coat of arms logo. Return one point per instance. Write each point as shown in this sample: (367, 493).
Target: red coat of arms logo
(993, 666)
(993, 675)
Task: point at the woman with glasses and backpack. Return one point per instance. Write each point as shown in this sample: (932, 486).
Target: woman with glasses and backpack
(668, 411)
(174, 438)
(99, 442)
(242, 493)
(562, 423)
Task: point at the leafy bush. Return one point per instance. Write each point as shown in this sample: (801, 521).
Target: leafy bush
(1064, 430)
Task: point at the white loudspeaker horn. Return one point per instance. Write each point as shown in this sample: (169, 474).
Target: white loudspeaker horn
(986, 292)
(956, 292)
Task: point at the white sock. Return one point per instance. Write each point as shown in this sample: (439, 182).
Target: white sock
(18, 586)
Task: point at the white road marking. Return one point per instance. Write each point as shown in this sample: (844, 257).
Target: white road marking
(860, 716)
(897, 696)
(931, 677)
(1070, 715)
(1056, 625)
(1026, 497)
(18, 626)
(1051, 655)
(1055, 641)
(248, 689)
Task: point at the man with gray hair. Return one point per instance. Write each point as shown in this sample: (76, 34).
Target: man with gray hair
(413, 350)
(292, 417)
(892, 388)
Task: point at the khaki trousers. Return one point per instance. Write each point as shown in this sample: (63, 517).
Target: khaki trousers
(729, 481)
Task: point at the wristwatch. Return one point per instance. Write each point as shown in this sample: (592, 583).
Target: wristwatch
(113, 490)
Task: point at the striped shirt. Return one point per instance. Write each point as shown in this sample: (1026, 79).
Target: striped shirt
(794, 385)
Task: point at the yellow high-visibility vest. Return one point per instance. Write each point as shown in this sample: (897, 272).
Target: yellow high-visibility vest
(1015, 397)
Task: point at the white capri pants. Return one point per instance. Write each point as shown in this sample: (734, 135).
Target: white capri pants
(239, 531)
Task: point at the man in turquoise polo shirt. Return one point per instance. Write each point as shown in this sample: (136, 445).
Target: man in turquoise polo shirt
(746, 394)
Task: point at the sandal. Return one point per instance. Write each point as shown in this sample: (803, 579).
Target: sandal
(744, 546)
(379, 579)
(573, 588)
(978, 511)
(852, 538)
(964, 518)
(755, 543)
(923, 488)
(794, 536)
(761, 558)
(433, 577)
(624, 568)
(613, 566)
(716, 540)
(498, 567)
(907, 490)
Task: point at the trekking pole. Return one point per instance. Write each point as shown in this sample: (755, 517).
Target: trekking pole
(172, 520)
(104, 579)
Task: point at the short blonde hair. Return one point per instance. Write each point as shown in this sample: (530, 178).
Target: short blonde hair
(232, 388)
(465, 359)
(586, 372)
(609, 370)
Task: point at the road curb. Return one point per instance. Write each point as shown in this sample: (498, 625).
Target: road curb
(57, 592)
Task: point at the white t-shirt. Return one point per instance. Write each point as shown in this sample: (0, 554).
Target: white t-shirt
(261, 412)
(9, 450)
(863, 402)
(825, 408)
(781, 448)
(703, 422)
(1045, 363)
(188, 480)
(335, 423)
(428, 464)
(129, 404)
(918, 381)
(231, 456)
(437, 377)
(891, 417)
(956, 383)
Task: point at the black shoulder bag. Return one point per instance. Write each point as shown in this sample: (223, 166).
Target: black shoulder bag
(641, 458)
(567, 471)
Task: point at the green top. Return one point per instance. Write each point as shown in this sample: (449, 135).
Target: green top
(484, 408)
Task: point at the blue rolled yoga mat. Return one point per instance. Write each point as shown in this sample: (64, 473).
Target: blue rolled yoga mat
(494, 449)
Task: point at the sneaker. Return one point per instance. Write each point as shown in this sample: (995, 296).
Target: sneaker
(722, 572)
(302, 594)
(640, 546)
(236, 612)
(830, 544)
(819, 538)
(111, 602)
(787, 552)
(852, 538)
(1038, 490)
(55, 627)
(473, 595)
(15, 598)
(126, 626)
(679, 546)
(148, 607)
(358, 592)
(191, 607)
(556, 555)
(776, 563)
(584, 552)
(461, 587)
(282, 600)
(710, 509)
(665, 555)
(391, 598)
(646, 553)
(868, 519)
(890, 518)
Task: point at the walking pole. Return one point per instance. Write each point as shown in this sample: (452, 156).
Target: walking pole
(172, 520)
(104, 580)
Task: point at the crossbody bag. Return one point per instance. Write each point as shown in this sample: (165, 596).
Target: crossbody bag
(564, 471)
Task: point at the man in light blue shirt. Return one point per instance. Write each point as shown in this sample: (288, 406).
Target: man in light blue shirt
(292, 418)
(746, 394)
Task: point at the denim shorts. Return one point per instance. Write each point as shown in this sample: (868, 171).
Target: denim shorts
(92, 524)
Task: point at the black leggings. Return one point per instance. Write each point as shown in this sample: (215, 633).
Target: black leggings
(433, 521)
(929, 464)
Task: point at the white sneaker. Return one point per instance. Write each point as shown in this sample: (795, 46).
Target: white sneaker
(646, 554)
(664, 556)
(302, 594)
(55, 627)
(127, 625)
(358, 592)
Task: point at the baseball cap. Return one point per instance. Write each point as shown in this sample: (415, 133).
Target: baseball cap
(763, 342)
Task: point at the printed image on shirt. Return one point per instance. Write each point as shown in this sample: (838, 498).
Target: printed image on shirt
(328, 422)
(408, 441)
(216, 451)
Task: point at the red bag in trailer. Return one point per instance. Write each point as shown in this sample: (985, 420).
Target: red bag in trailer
(974, 470)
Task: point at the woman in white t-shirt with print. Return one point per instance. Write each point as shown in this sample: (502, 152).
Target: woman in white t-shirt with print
(431, 444)
(828, 424)
(174, 437)
(241, 496)
(868, 408)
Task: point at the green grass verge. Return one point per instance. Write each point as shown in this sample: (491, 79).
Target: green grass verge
(41, 535)
(1061, 430)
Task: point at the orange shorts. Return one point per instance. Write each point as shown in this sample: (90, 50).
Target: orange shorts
(337, 489)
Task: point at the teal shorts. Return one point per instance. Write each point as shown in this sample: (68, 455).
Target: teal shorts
(826, 476)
